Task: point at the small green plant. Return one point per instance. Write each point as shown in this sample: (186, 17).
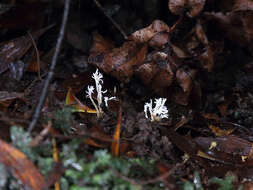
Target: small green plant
(41, 155)
(102, 171)
(63, 119)
(224, 184)
(195, 185)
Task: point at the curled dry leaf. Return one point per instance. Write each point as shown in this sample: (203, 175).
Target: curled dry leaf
(145, 34)
(157, 73)
(193, 7)
(21, 167)
(120, 62)
(159, 40)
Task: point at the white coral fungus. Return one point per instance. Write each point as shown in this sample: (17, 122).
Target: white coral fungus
(158, 112)
(98, 77)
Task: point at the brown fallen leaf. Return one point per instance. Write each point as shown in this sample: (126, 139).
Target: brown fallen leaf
(159, 40)
(145, 34)
(15, 49)
(23, 169)
(120, 62)
(228, 149)
(157, 73)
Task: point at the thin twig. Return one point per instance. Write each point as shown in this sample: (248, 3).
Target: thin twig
(42, 134)
(51, 70)
(110, 18)
(37, 55)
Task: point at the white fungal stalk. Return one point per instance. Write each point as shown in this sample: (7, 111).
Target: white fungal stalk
(158, 112)
(98, 77)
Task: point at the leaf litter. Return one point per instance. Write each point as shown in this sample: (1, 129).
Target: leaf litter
(196, 59)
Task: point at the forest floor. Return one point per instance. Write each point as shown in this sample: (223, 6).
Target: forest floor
(144, 95)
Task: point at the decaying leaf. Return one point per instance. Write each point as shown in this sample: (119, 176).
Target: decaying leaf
(157, 73)
(192, 7)
(14, 50)
(120, 62)
(229, 149)
(159, 40)
(145, 34)
(23, 169)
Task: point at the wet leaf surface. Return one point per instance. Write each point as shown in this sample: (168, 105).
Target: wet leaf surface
(21, 167)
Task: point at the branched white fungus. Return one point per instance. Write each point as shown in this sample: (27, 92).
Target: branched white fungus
(158, 112)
